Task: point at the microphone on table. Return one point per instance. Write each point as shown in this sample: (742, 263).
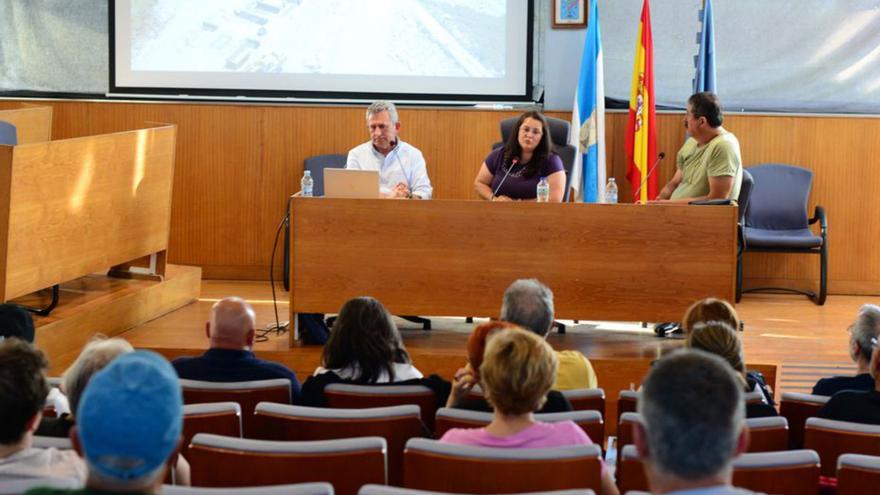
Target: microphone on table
(513, 163)
(660, 158)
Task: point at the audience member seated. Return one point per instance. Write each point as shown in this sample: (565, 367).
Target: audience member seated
(365, 348)
(710, 309)
(692, 425)
(529, 304)
(469, 376)
(17, 322)
(865, 328)
(128, 427)
(231, 328)
(23, 390)
(517, 371)
(857, 406)
(719, 338)
(94, 357)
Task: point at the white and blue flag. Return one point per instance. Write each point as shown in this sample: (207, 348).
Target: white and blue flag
(704, 79)
(588, 117)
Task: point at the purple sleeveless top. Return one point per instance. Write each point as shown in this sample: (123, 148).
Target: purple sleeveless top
(517, 186)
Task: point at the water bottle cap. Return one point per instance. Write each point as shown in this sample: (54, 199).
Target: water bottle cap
(611, 179)
(308, 173)
(543, 177)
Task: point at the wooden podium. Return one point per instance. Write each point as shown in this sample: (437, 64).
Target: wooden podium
(456, 258)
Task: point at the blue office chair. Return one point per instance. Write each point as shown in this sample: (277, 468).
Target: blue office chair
(745, 196)
(776, 221)
(8, 133)
(559, 130)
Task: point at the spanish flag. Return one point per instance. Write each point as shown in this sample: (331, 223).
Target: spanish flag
(641, 130)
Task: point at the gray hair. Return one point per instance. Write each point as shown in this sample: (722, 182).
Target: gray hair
(380, 106)
(96, 355)
(693, 413)
(866, 327)
(529, 304)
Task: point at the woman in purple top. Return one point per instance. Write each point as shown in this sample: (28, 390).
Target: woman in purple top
(518, 370)
(512, 171)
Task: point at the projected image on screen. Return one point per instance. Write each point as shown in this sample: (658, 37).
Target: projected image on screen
(436, 38)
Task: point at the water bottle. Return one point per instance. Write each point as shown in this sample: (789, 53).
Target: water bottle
(543, 191)
(306, 185)
(611, 191)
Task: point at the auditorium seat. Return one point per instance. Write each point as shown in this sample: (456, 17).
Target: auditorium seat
(396, 424)
(857, 474)
(625, 428)
(586, 399)
(394, 490)
(626, 402)
(246, 394)
(347, 464)
(444, 467)
(349, 396)
(18, 486)
(61, 443)
(220, 418)
(797, 408)
(790, 472)
(630, 470)
(447, 418)
(832, 438)
(294, 489)
(767, 434)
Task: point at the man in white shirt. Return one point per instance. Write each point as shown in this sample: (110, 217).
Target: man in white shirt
(401, 166)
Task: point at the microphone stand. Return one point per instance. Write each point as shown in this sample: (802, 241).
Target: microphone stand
(660, 158)
(513, 164)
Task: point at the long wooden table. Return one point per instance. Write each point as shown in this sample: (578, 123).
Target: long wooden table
(448, 258)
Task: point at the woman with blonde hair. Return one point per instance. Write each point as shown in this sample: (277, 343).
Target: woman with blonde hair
(719, 338)
(516, 373)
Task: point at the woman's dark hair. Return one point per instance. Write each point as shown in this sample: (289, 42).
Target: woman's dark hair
(365, 339)
(512, 149)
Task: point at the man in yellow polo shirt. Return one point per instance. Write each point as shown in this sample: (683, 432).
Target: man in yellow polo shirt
(529, 304)
(709, 164)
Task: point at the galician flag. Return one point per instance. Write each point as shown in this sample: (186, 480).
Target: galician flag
(588, 117)
(641, 129)
(704, 79)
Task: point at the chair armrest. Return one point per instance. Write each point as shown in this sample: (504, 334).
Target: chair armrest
(712, 202)
(819, 216)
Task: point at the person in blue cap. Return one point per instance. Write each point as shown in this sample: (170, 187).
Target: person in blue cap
(128, 426)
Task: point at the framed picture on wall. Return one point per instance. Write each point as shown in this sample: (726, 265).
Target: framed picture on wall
(569, 14)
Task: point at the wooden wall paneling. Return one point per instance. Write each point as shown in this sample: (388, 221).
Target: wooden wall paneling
(236, 164)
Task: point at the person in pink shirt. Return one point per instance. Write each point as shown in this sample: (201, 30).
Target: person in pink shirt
(518, 370)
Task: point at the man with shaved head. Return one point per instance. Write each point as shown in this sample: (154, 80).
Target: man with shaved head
(230, 328)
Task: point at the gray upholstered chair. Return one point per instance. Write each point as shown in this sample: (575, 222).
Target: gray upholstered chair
(857, 473)
(393, 490)
(776, 221)
(8, 134)
(294, 489)
(317, 164)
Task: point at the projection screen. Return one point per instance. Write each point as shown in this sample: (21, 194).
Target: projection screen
(420, 50)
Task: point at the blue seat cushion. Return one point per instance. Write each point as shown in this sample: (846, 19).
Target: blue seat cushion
(785, 239)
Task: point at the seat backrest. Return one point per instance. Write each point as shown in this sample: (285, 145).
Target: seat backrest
(586, 399)
(797, 408)
(857, 474)
(294, 489)
(589, 421)
(8, 133)
(237, 462)
(246, 394)
(60, 443)
(625, 427)
(349, 396)
(778, 200)
(396, 424)
(438, 466)
(627, 401)
(790, 472)
(219, 418)
(832, 438)
(745, 195)
(317, 164)
(767, 434)
(630, 470)
(21, 485)
(394, 490)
